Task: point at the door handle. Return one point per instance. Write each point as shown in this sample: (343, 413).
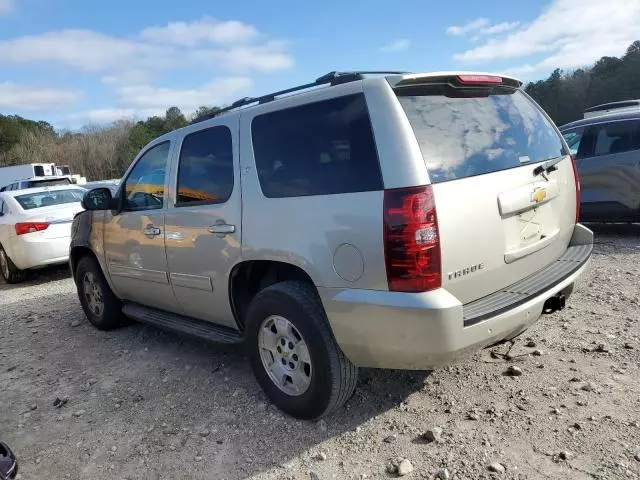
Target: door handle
(151, 231)
(222, 228)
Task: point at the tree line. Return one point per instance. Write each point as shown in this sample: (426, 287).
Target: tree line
(96, 152)
(103, 152)
(565, 95)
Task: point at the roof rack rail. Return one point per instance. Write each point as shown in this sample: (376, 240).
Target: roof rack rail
(332, 78)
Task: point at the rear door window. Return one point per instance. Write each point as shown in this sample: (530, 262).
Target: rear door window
(616, 137)
(464, 134)
(205, 171)
(321, 148)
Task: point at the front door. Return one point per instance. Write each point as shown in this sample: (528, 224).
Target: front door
(202, 223)
(134, 237)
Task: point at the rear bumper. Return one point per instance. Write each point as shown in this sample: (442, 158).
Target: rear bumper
(419, 331)
(38, 252)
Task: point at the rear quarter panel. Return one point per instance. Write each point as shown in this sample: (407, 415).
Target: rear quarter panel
(309, 231)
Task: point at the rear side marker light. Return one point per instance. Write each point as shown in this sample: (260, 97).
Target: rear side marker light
(411, 240)
(479, 79)
(30, 227)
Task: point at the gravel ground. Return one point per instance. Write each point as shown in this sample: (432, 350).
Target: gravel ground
(146, 404)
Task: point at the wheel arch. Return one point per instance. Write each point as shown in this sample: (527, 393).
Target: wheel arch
(251, 276)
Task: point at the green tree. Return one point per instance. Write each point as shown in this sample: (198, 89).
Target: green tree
(174, 119)
(565, 95)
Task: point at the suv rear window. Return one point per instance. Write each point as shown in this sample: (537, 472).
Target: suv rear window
(47, 183)
(463, 134)
(320, 148)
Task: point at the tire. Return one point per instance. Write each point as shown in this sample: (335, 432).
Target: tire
(93, 287)
(329, 376)
(10, 272)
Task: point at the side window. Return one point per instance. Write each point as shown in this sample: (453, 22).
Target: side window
(2, 208)
(616, 137)
(205, 171)
(144, 187)
(573, 138)
(321, 148)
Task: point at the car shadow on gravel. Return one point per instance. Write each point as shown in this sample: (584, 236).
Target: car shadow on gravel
(614, 229)
(183, 407)
(39, 277)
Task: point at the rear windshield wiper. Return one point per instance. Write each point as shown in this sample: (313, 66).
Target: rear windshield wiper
(547, 167)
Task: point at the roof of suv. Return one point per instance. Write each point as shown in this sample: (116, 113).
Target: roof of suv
(615, 117)
(338, 78)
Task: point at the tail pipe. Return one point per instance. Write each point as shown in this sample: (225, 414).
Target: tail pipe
(555, 303)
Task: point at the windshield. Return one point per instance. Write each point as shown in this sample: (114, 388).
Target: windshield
(462, 134)
(30, 201)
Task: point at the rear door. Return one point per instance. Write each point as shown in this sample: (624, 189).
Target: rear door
(499, 221)
(609, 164)
(203, 224)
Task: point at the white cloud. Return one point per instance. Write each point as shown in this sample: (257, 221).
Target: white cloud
(469, 27)
(499, 28)
(142, 100)
(145, 97)
(84, 50)
(267, 57)
(203, 30)
(109, 115)
(570, 33)
(7, 6)
(177, 45)
(397, 45)
(129, 67)
(16, 97)
(481, 26)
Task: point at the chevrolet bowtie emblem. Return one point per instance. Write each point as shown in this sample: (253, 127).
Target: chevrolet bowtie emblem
(538, 195)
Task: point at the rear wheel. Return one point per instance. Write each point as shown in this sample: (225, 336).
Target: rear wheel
(10, 272)
(293, 352)
(100, 305)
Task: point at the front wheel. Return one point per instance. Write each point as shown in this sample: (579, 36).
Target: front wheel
(293, 352)
(100, 305)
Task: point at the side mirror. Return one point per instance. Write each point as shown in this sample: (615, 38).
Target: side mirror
(98, 199)
(8, 463)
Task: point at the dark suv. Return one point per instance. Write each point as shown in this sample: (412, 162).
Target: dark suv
(607, 151)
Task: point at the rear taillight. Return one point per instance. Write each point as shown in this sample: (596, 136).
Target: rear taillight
(411, 240)
(30, 227)
(575, 174)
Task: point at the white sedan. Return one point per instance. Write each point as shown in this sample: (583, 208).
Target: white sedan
(35, 228)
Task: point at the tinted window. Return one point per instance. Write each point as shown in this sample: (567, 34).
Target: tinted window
(144, 187)
(573, 138)
(205, 172)
(616, 137)
(3, 209)
(316, 149)
(462, 134)
(46, 199)
(38, 170)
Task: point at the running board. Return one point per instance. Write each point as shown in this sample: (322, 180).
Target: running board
(181, 324)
